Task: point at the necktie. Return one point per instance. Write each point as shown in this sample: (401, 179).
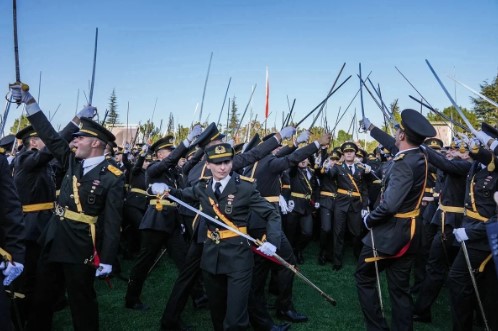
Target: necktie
(351, 169)
(217, 191)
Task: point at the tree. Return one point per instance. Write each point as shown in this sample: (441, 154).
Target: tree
(112, 115)
(171, 124)
(453, 114)
(16, 127)
(484, 110)
(234, 118)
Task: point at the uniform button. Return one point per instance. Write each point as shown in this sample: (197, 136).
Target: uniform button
(71, 196)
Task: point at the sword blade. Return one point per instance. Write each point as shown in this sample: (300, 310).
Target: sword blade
(460, 112)
(92, 83)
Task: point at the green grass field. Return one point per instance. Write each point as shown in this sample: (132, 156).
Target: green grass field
(323, 316)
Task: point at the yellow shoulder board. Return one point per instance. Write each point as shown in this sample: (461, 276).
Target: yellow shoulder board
(399, 157)
(339, 163)
(114, 170)
(247, 179)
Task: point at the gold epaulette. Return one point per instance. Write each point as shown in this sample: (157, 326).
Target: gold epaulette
(399, 157)
(114, 170)
(247, 179)
(339, 163)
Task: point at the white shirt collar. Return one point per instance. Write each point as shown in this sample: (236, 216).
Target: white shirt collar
(223, 182)
(406, 150)
(92, 162)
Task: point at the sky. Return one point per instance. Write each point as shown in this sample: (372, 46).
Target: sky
(159, 50)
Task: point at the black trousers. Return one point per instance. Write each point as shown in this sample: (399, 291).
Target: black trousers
(299, 230)
(346, 218)
(5, 320)
(462, 293)
(326, 219)
(187, 277)
(81, 294)
(258, 312)
(130, 236)
(441, 257)
(228, 296)
(398, 280)
(152, 242)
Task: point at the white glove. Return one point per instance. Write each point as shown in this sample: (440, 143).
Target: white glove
(87, 112)
(283, 205)
(194, 133)
(144, 149)
(483, 137)
(103, 270)
(367, 168)
(460, 234)
(463, 138)
(317, 205)
(365, 124)
(287, 132)
(364, 212)
(22, 96)
(474, 143)
(11, 271)
(303, 137)
(290, 205)
(267, 249)
(159, 188)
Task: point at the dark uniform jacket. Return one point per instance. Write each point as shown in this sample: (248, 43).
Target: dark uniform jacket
(239, 161)
(267, 173)
(351, 183)
(402, 188)
(35, 181)
(11, 222)
(304, 189)
(137, 181)
(100, 193)
(238, 198)
(453, 190)
(481, 185)
(164, 171)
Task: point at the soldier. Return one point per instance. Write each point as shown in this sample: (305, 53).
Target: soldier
(135, 204)
(197, 171)
(90, 189)
(328, 194)
(35, 182)
(227, 259)
(443, 249)
(160, 224)
(11, 244)
(303, 202)
(267, 172)
(392, 226)
(480, 210)
(351, 202)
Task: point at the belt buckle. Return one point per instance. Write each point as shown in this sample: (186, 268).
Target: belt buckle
(350, 193)
(307, 196)
(215, 236)
(59, 210)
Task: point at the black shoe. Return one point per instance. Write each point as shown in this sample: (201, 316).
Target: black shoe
(337, 267)
(137, 306)
(201, 302)
(292, 316)
(322, 260)
(281, 327)
(425, 318)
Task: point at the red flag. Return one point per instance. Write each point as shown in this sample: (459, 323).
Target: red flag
(267, 107)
